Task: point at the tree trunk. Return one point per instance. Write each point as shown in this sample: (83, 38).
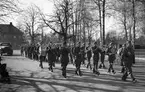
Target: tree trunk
(100, 22)
(103, 12)
(134, 21)
(124, 22)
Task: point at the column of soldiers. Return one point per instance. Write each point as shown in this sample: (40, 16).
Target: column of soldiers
(30, 51)
(77, 55)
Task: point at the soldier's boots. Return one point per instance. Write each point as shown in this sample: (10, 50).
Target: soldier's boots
(40, 65)
(109, 70)
(124, 77)
(134, 80)
(80, 73)
(100, 66)
(76, 72)
(122, 70)
(97, 72)
(113, 72)
(64, 74)
(50, 69)
(53, 64)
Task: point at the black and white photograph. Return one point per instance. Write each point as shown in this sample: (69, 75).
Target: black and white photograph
(72, 45)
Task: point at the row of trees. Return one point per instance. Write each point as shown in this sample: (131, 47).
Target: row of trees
(80, 20)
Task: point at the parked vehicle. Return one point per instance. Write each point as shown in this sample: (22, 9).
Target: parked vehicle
(6, 48)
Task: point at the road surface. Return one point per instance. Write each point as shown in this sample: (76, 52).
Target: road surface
(27, 76)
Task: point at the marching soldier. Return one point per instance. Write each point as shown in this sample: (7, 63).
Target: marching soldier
(64, 59)
(128, 58)
(96, 50)
(22, 50)
(111, 57)
(42, 56)
(50, 55)
(83, 53)
(78, 59)
(102, 58)
(89, 55)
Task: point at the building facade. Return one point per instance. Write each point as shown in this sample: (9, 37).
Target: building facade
(11, 34)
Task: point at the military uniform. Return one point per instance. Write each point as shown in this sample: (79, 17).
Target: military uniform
(78, 60)
(102, 58)
(64, 59)
(83, 54)
(42, 56)
(50, 54)
(111, 58)
(89, 55)
(96, 50)
(128, 60)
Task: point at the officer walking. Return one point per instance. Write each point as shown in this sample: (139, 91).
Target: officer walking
(96, 50)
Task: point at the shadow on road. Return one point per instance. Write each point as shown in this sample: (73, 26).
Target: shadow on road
(87, 82)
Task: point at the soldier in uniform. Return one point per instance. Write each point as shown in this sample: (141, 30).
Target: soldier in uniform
(96, 50)
(128, 58)
(64, 57)
(103, 51)
(78, 59)
(50, 55)
(42, 56)
(89, 55)
(71, 54)
(29, 51)
(83, 53)
(111, 57)
(22, 50)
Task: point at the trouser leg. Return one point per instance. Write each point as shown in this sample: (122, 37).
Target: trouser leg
(64, 65)
(130, 71)
(50, 66)
(78, 71)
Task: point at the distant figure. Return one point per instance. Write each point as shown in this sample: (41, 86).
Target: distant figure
(22, 50)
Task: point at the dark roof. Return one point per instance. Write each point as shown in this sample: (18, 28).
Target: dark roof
(9, 29)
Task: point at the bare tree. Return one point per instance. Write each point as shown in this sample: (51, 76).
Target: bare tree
(31, 22)
(61, 21)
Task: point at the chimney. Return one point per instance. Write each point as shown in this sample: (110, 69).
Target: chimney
(11, 23)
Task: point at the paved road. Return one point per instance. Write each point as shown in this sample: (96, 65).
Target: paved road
(26, 76)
